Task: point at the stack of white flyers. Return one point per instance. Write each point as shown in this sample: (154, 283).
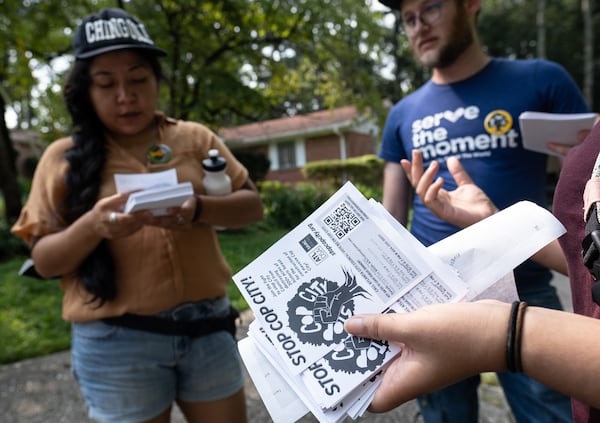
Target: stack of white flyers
(155, 191)
(159, 198)
(349, 257)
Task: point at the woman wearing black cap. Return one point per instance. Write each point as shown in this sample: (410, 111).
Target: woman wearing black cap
(146, 292)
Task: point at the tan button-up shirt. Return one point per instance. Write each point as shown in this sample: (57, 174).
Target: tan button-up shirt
(155, 268)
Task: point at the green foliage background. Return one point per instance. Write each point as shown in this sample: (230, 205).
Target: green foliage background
(364, 170)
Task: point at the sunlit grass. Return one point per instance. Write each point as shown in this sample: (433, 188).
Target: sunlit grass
(30, 320)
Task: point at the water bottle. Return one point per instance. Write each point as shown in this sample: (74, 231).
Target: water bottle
(216, 181)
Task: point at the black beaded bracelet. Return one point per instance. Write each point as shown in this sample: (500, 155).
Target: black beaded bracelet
(514, 336)
(198, 210)
(510, 336)
(519, 336)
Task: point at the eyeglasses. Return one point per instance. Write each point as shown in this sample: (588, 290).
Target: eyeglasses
(428, 15)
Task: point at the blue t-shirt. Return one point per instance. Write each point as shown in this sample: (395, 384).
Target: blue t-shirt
(477, 120)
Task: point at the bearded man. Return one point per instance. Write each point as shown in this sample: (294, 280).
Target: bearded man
(470, 109)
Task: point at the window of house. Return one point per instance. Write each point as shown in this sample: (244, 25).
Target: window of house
(286, 155)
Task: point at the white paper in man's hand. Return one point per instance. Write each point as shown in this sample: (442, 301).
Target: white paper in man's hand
(538, 129)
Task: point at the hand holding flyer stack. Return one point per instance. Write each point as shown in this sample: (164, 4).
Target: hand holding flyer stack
(538, 129)
(153, 191)
(348, 257)
(159, 198)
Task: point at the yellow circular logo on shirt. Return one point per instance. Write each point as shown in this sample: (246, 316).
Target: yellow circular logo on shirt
(498, 122)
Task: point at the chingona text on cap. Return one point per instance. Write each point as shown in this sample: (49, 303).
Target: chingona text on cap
(115, 28)
(109, 30)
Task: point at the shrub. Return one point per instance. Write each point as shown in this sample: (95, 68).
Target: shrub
(364, 170)
(287, 205)
(370, 191)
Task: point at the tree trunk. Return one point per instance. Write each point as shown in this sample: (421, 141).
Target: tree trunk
(588, 52)
(541, 29)
(9, 185)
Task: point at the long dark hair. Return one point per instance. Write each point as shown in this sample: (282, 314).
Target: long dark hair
(86, 160)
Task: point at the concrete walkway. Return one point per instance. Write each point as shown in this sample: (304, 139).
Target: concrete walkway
(42, 390)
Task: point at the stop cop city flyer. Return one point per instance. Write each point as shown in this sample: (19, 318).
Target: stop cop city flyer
(344, 259)
(351, 256)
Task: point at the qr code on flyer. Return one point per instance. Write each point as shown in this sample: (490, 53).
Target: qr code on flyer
(341, 220)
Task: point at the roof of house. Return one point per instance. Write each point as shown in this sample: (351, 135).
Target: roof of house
(311, 124)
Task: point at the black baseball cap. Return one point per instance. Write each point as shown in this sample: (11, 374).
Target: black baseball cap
(392, 4)
(109, 30)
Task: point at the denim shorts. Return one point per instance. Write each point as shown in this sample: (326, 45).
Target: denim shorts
(128, 376)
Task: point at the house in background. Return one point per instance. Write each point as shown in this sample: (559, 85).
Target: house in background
(291, 142)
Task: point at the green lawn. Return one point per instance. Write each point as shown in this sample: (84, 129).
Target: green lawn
(30, 321)
(240, 249)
